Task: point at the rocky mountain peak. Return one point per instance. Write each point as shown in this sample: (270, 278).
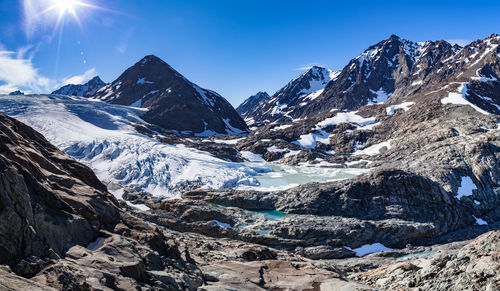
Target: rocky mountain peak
(173, 102)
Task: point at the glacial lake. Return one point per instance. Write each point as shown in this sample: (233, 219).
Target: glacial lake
(273, 176)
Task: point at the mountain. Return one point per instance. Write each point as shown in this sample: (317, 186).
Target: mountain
(301, 90)
(173, 102)
(251, 104)
(16, 93)
(82, 90)
(390, 66)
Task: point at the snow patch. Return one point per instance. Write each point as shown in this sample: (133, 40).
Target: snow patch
(281, 127)
(143, 81)
(390, 110)
(373, 149)
(380, 96)
(369, 249)
(460, 98)
(221, 224)
(480, 221)
(466, 187)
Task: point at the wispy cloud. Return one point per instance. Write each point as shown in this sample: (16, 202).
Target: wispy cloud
(80, 79)
(460, 42)
(121, 48)
(18, 72)
(309, 66)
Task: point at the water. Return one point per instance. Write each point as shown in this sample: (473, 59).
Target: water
(273, 176)
(417, 254)
(272, 214)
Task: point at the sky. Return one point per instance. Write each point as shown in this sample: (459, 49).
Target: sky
(235, 48)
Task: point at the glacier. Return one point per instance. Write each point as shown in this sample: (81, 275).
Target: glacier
(103, 137)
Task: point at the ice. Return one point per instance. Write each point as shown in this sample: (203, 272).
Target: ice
(460, 98)
(369, 249)
(309, 140)
(251, 157)
(281, 177)
(374, 149)
(101, 136)
(466, 187)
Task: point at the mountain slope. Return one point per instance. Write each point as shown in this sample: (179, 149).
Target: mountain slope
(173, 102)
(281, 106)
(83, 90)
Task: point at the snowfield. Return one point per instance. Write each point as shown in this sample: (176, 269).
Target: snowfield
(101, 136)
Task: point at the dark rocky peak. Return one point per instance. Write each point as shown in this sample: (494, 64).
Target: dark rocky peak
(252, 101)
(17, 92)
(173, 102)
(312, 80)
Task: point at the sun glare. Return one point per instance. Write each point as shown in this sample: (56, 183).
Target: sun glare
(64, 7)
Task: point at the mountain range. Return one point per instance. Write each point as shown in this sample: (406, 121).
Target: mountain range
(382, 176)
(392, 69)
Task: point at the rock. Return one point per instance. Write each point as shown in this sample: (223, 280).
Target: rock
(473, 267)
(327, 252)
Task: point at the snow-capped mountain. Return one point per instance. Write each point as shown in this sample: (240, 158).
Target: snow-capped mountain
(173, 102)
(281, 106)
(82, 90)
(392, 70)
(390, 66)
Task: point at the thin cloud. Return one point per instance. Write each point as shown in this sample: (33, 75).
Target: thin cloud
(309, 66)
(80, 79)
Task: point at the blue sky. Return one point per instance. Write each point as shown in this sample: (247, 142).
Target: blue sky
(233, 47)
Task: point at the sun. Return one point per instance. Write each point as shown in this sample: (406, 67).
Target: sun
(64, 7)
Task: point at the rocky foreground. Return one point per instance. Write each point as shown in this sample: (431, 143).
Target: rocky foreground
(62, 230)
